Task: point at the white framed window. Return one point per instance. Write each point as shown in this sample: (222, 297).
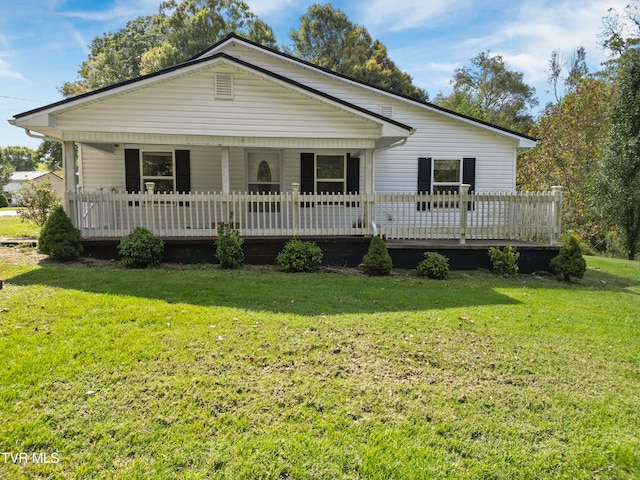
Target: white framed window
(264, 172)
(158, 167)
(446, 175)
(331, 173)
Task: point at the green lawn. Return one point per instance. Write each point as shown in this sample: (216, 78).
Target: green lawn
(196, 372)
(14, 227)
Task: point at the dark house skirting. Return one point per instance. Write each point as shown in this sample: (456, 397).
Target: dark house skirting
(344, 251)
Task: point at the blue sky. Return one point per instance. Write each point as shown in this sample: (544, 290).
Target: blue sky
(43, 42)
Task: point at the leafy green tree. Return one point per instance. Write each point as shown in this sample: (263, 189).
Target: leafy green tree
(6, 170)
(617, 184)
(22, 159)
(36, 201)
(49, 154)
(490, 91)
(327, 38)
(178, 32)
(570, 137)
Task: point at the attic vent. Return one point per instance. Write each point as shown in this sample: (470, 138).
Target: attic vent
(386, 111)
(224, 86)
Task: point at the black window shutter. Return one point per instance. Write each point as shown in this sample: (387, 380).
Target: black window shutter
(469, 175)
(183, 171)
(307, 173)
(132, 169)
(353, 174)
(424, 180)
(469, 172)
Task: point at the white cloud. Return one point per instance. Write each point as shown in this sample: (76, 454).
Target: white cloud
(7, 72)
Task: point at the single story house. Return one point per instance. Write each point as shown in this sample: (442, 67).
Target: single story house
(282, 148)
(18, 179)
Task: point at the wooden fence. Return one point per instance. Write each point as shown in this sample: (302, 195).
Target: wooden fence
(488, 216)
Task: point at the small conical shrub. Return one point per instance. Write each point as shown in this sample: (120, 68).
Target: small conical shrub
(569, 261)
(3, 201)
(377, 260)
(59, 238)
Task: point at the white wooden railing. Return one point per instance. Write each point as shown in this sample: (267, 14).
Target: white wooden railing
(490, 216)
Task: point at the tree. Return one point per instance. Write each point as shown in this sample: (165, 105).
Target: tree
(576, 67)
(570, 137)
(36, 201)
(621, 30)
(488, 90)
(49, 154)
(327, 38)
(6, 170)
(22, 159)
(178, 32)
(617, 184)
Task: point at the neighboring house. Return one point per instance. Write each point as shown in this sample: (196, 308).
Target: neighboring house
(284, 148)
(18, 179)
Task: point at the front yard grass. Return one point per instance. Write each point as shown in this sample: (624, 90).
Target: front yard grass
(14, 227)
(196, 372)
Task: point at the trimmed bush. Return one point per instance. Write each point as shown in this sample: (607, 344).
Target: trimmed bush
(569, 261)
(140, 249)
(3, 201)
(59, 238)
(377, 260)
(434, 266)
(299, 256)
(505, 260)
(229, 246)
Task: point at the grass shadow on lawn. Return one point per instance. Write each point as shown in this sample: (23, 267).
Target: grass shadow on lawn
(262, 289)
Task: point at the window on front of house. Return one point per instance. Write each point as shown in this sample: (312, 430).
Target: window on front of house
(158, 167)
(330, 173)
(447, 176)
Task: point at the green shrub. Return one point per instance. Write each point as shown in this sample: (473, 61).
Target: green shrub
(3, 201)
(59, 238)
(434, 266)
(140, 249)
(229, 246)
(569, 261)
(299, 256)
(377, 260)
(505, 260)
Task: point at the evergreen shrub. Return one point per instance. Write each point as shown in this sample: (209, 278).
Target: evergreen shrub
(3, 201)
(59, 238)
(569, 261)
(377, 260)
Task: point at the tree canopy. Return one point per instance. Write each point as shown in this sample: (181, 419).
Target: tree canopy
(327, 38)
(490, 91)
(21, 159)
(618, 180)
(178, 32)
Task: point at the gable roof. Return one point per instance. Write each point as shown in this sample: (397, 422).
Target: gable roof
(525, 140)
(132, 84)
(25, 176)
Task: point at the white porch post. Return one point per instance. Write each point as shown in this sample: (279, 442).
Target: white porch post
(69, 174)
(369, 189)
(556, 213)
(224, 160)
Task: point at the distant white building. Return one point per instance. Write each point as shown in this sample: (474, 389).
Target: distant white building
(18, 179)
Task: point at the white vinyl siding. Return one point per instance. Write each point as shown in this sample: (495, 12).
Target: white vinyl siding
(438, 135)
(186, 106)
